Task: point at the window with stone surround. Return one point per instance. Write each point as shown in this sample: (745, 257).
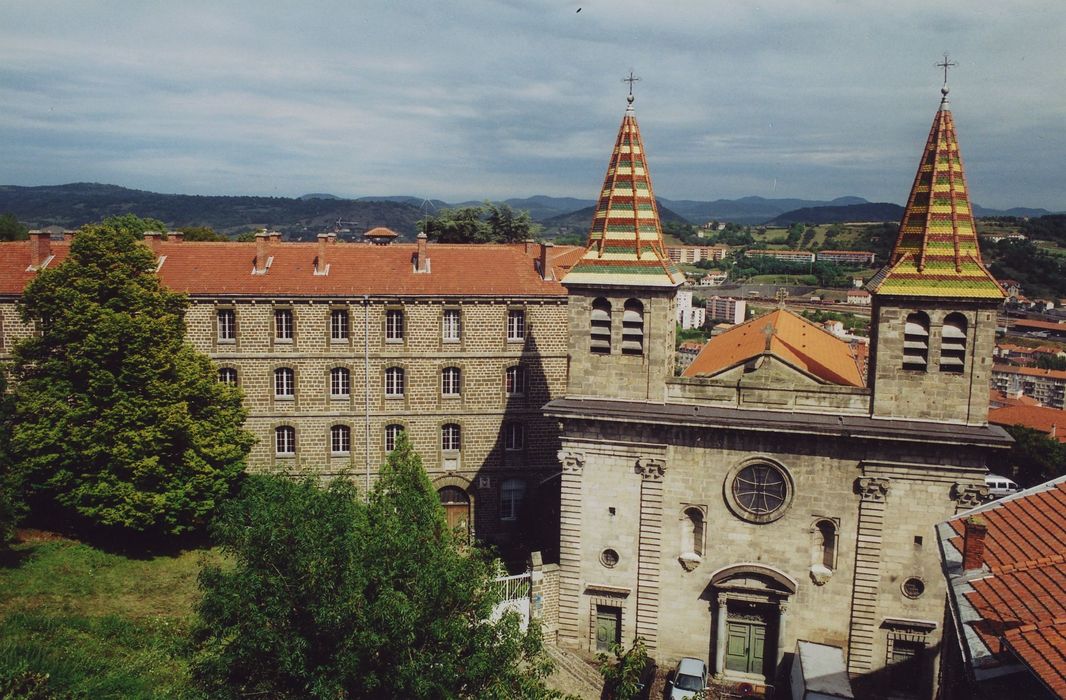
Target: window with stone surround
(392, 436)
(953, 344)
(600, 327)
(512, 493)
(340, 382)
(692, 534)
(515, 380)
(450, 437)
(285, 441)
(228, 375)
(824, 547)
(340, 440)
(916, 342)
(393, 326)
(450, 381)
(284, 383)
(338, 325)
(394, 382)
(633, 328)
(451, 326)
(227, 325)
(758, 490)
(516, 325)
(514, 436)
(283, 325)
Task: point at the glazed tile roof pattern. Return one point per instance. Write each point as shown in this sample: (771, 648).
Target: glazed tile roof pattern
(625, 240)
(795, 340)
(1017, 602)
(225, 269)
(1047, 420)
(936, 253)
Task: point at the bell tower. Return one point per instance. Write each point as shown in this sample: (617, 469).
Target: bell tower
(621, 292)
(935, 302)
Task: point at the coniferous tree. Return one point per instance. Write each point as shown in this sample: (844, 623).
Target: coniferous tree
(119, 422)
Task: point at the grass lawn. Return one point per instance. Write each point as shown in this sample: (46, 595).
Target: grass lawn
(784, 279)
(100, 625)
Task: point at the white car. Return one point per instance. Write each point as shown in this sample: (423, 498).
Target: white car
(690, 677)
(999, 486)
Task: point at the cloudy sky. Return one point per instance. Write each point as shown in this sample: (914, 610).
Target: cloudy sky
(483, 98)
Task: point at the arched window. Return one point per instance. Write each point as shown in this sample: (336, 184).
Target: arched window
(284, 383)
(340, 440)
(285, 441)
(516, 380)
(450, 380)
(916, 342)
(512, 493)
(600, 327)
(825, 544)
(392, 436)
(228, 375)
(692, 528)
(340, 382)
(953, 343)
(450, 437)
(633, 328)
(394, 381)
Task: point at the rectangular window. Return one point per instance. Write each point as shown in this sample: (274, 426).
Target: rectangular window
(512, 493)
(227, 326)
(392, 435)
(338, 325)
(450, 378)
(340, 439)
(516, 324)
(451, 325)
(285, 440)
(284, 383)
(228, 375)
(340, 382)
(516, 381)
(394, 382)
(449, 438)
(394, 326)
(283, 325)
(514, 437)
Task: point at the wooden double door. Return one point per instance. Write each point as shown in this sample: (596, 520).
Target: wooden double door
(746, 649)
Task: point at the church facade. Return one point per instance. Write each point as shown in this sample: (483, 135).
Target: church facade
(772, 494)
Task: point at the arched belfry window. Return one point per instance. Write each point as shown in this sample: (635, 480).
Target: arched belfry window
(953, 343)
(600, 327)
(633, 328)
(916, 342)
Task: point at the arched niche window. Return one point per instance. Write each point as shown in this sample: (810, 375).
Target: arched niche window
(600, 327)
(953, 343)
(633, 328)
(825, 544)
(693, 526)
(916, 342)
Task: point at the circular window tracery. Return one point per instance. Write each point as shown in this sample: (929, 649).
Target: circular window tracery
(913, 587)
(758, 491)
(609, 558)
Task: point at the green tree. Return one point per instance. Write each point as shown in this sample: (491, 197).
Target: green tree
(11, 506)
(201, 233)
(509, 226)
(624, 676)
(119, 422)
(1035, 457)
(329, 597)
(463, 225)
(11, 229)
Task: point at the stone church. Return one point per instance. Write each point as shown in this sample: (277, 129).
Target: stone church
(773, 493)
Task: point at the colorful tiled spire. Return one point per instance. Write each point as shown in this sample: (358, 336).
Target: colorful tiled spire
(936, 254)
(626, 241)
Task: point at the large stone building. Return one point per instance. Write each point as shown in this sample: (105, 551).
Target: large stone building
(772, 494)
(339, 346)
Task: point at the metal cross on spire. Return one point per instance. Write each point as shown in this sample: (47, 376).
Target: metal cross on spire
(631, 79)
(945, 64)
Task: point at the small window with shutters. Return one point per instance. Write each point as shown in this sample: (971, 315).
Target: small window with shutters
(600, 327)
(633, 328)
(916, 342)
(953, 344)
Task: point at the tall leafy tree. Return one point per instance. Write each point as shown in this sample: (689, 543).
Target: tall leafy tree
(488, 223)
(11, 229)
(331, 597)
(119, 422)
(11, 505)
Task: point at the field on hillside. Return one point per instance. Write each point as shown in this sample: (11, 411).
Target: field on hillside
(100, 625)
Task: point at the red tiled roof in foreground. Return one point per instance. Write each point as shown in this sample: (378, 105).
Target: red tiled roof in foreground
(1047, 420)
(1017, 602)
(225, 269)
(999, 399)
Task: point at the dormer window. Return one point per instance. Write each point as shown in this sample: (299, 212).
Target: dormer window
(633, 328)
(953, 344)
(600, 327)
(916, 342)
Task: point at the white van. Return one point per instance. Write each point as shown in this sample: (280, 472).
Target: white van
(999, 486)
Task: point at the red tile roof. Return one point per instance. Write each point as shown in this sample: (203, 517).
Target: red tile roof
(225, 269)
(1019, 602)
(1047, 420)
(1043, 325)
(998, 397)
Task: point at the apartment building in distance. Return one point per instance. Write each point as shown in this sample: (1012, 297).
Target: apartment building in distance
(689, 315)
(845, 257)
(727, 309)
(1048, 386)
(341, 347)
(691, 254)
(792, 256)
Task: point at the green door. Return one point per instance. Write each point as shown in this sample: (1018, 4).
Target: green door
(745, 647)
(607, 620)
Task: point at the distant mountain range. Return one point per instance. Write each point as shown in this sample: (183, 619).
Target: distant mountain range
(70, 206)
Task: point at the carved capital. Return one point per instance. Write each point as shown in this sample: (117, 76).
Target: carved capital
(969, 495)
(571, 461)
(651, 468)
(872, 488)
(723, 599)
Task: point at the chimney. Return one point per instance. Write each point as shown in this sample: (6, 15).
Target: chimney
(422, 258)
(153, 239)
(40, 248)
(529, 245)
(973, 543)
(262, 249)
(175, 236)
(1054, 429)
(322, 262)
(68, 236)
(275, 237)
(545, 268)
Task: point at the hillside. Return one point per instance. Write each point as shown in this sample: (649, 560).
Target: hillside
(747, 210)
(868, 211)
(579, 221)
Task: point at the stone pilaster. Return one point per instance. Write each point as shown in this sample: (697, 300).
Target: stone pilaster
(873, 491)
(649, 549)
(570, 546)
